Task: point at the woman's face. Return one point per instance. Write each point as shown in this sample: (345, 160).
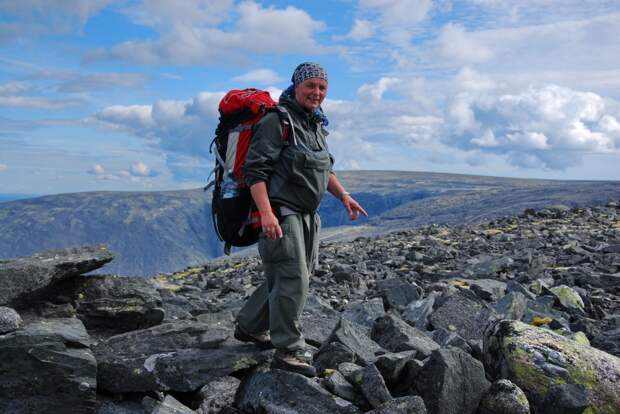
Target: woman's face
(311, 92)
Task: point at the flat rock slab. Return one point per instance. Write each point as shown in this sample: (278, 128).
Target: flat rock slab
(25, 276)
(396, 335)
(180, 356)
(356, 338)
(277, 391)
(47, 367)
(403, 405)
(542, 362)
(462, 312)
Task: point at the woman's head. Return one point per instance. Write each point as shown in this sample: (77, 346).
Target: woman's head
(310, 82)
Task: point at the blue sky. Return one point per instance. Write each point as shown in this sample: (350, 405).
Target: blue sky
(122, 95)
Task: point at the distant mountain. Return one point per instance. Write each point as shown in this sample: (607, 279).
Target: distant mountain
(155, 232)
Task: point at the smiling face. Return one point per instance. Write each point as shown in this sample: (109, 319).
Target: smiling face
(311, 92)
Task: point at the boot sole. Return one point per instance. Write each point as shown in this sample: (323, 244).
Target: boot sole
(309, 371)
(243, 337)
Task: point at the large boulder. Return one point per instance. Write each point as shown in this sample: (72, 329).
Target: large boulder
(356, 338)
(451, 382)
(542, 362)
(462, 312)
(276, 391)
(47, 367)
(404, 405)
(504, 397)
(10, 320)
(396, 335)
(181, 356)
(118, 303)
(23, 279)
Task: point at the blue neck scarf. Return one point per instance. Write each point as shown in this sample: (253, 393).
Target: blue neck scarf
(317, 113)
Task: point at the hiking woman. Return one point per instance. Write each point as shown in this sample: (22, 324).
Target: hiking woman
(288, 173)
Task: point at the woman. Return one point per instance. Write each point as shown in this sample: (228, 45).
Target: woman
(288, 178)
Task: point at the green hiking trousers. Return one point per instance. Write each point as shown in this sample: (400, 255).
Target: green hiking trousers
(276, 305)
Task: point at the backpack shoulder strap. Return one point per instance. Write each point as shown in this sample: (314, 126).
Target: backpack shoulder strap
(288, 129)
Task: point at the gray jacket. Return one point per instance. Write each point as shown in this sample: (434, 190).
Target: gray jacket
(296, 170)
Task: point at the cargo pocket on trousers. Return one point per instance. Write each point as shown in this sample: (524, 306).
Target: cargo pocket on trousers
(278, 250)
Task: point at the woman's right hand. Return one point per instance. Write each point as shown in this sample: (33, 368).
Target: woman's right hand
(270, 225)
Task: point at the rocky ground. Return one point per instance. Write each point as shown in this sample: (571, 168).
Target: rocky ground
(517, 315)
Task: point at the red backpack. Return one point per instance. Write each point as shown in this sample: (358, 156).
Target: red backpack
(235, 218)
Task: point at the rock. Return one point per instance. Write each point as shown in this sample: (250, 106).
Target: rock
(118, 407)
(180, 356)
(417, 312)
(536, 359)
(541, 312)
(364, 312)
(512, 306)
(504, 397)
(9, 320)
(396, 335)
(277, 391)
(318, 320)
(391, 366)
(567, 399)
(569, 298)
(332, 355)
(397, 293)
(488, 289)
(451, 382)
(120, 304)
(484, 266)
(513, 286)
(47, 366)
(608, 341)
(217, 394)
(337, 384)
(168, 406)
(403, 405)
(370, 383)
(355, 337)
(23, 279)
(462, 312)
(445, 338)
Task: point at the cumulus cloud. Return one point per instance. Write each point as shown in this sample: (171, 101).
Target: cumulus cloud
(539, 127)
(398, 19)
(3, 167)
(38, 17)
(259, 76)
(362, 29)
(140, 169)
(455, 43)
(186, 39)
(37, 103)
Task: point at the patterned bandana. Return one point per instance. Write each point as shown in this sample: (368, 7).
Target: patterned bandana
(308, 70)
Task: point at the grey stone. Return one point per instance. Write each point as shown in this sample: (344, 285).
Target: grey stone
(47, 355)
(396, 335)
(514, 286)
(168, 406)
(371, 384)
(417, 312)
(488, 289)
(446, 338)
(277, 391)
(355, 337)
(566, 399)
(392, 366)
(9, 320)
(512, 306)
(217, 394)
(331, 355)
(452, 382)
(397, 293)
(318, 320)
(364, 312)
(462, 312)
(404, 405)
(120, 304)
(25, 277)
(504, 397)
(337, 384)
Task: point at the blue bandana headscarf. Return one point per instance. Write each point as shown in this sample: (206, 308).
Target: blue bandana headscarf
(302, 72)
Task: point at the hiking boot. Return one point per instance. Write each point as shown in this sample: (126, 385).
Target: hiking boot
(262, 340)
(294, 361)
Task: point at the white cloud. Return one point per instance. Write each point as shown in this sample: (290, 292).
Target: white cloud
(13, 88)
(37, 103)
(140, 169)
(547, 127)
(259, 76)
(362, 29)
(455, 44)
(376, 90)
(3, 167)
(162, 13)
(97, 169)
(399, 11)
(75, 83)
(40, 17)
(186, 40)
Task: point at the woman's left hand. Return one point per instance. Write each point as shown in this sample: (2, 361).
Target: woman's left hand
(353, 207)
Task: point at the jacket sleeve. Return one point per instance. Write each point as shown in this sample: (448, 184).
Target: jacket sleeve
(264, 150)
